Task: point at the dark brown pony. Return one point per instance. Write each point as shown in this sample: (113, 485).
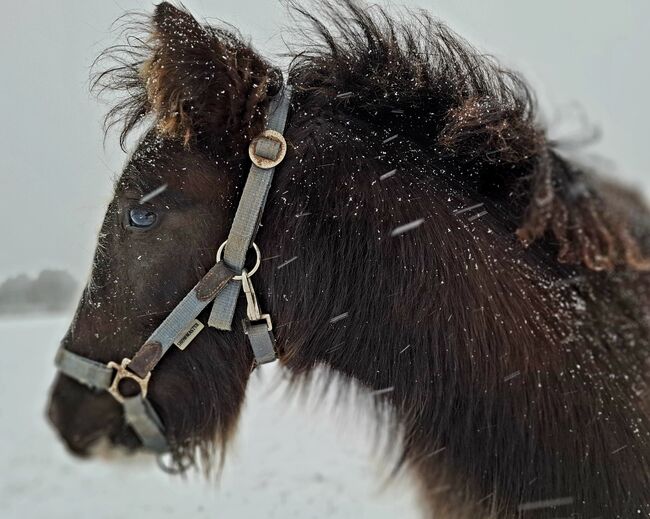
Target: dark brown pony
(491, 291)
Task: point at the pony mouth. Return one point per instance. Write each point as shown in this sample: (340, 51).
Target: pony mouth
(82, 448)
(106, 449)
(121, 446)
(102, 445)
(122, 442)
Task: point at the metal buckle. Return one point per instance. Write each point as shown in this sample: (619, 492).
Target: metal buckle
(264, 160)
(252, 307)
(121, 373)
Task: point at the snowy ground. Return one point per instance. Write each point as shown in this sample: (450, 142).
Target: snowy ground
(290, 460)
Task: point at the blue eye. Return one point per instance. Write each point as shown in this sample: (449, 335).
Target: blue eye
(142, 218)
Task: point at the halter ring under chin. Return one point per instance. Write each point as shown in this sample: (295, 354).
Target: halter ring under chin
(121, 373)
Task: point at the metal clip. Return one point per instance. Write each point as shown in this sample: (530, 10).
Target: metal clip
(252, 308)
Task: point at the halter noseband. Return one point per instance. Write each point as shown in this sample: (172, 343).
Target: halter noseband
(220, 286)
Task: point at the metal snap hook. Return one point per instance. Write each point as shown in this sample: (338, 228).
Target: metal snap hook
(253, 310)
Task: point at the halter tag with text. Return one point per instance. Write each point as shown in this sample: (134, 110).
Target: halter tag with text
(188, 334)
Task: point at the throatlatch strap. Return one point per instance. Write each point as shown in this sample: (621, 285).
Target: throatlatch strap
(247, 218)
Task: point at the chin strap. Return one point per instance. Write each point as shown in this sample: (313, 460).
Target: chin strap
(220, 285)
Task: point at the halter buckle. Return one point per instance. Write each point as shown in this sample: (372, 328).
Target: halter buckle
(268, 149)
(121, 373)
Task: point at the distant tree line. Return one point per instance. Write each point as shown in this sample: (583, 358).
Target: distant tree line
(50, 291)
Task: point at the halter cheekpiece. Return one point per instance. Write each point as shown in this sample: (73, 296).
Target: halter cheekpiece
(220, 286)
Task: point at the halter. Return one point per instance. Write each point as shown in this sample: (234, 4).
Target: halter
(220, 286)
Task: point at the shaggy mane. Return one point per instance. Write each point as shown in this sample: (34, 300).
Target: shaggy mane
(412, 75)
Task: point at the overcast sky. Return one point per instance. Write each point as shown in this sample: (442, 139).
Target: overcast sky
(583, 57)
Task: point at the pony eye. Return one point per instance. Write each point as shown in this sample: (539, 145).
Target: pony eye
(142, 218)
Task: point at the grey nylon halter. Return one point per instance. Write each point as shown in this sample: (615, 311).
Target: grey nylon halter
(220, 286)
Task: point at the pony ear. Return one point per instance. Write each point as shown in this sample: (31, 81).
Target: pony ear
(201, 83)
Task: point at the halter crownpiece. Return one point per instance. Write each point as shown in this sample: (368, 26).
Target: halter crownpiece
(220, 286)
